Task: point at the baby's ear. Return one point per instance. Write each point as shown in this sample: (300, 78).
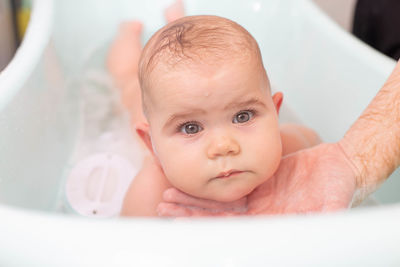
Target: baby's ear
(277, 98)
(143, 129)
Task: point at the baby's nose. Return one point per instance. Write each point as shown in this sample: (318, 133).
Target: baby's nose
(223, 146)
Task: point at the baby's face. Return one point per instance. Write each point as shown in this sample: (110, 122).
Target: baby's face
(215, 130)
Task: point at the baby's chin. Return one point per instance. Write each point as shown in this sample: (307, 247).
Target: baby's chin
(229, 198)
(239, 190)
(231, 195)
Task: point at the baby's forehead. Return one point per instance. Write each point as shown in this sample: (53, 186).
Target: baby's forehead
(204, 80)
(194, 40)
(207, 39)
(190, 73)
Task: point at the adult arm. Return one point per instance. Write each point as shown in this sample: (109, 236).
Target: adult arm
(372, 143)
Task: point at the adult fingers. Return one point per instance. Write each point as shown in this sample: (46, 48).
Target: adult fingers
(173, 195)
(175, 210)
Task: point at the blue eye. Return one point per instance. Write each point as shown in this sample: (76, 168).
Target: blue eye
(243, 116)
(190, 128)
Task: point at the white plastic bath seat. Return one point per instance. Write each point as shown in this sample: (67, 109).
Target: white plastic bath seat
(97, 185)
(327, 77)
(107, 155)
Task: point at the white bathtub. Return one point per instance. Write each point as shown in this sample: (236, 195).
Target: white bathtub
(327, 76)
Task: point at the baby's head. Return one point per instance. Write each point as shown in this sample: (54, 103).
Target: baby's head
(213, 124)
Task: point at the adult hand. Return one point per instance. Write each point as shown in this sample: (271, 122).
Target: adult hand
(319, 179)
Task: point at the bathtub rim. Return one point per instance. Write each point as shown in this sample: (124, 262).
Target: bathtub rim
(28, 55)
(66, 234)
(366, 52)
(24, 221)
(39, 32)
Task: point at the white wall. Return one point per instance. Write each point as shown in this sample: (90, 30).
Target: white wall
(342, 11)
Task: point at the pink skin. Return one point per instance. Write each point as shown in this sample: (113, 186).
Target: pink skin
(248, 151)
(175, 11)
(145, 192)
(125, 50)
(326, 177)
(318, 179)
(321, 178)
(123, 58)
(122, 65)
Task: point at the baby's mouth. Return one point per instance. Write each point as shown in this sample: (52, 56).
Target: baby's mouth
(228, 174)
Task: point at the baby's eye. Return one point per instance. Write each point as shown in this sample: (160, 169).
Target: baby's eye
(190, 128)
(243, 116)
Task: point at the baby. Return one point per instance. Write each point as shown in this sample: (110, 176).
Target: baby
(210, 120)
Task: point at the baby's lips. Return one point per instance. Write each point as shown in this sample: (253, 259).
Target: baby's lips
(228, 173)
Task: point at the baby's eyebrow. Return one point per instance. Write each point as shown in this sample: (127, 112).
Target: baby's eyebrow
(197, 111)
(181, 115)
(249, 102)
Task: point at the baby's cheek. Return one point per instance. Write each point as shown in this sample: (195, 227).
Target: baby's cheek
(181, 171)
(268, 152)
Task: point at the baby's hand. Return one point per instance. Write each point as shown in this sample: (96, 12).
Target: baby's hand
(178, 204)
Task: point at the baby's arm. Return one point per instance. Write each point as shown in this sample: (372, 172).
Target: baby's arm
(297, 137)
(145, 191)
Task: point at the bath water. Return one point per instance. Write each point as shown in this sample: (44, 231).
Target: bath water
(105, 138)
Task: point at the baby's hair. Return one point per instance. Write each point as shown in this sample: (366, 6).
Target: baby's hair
(195, 39)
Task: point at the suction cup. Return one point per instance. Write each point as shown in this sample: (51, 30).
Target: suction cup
(97, 185)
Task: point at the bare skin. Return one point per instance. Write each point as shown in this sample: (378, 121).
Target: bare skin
(327, 177)
(174, 11)
(300, 185)
(373, 141)
(123, 58)
(122, 63)
(146, 190)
